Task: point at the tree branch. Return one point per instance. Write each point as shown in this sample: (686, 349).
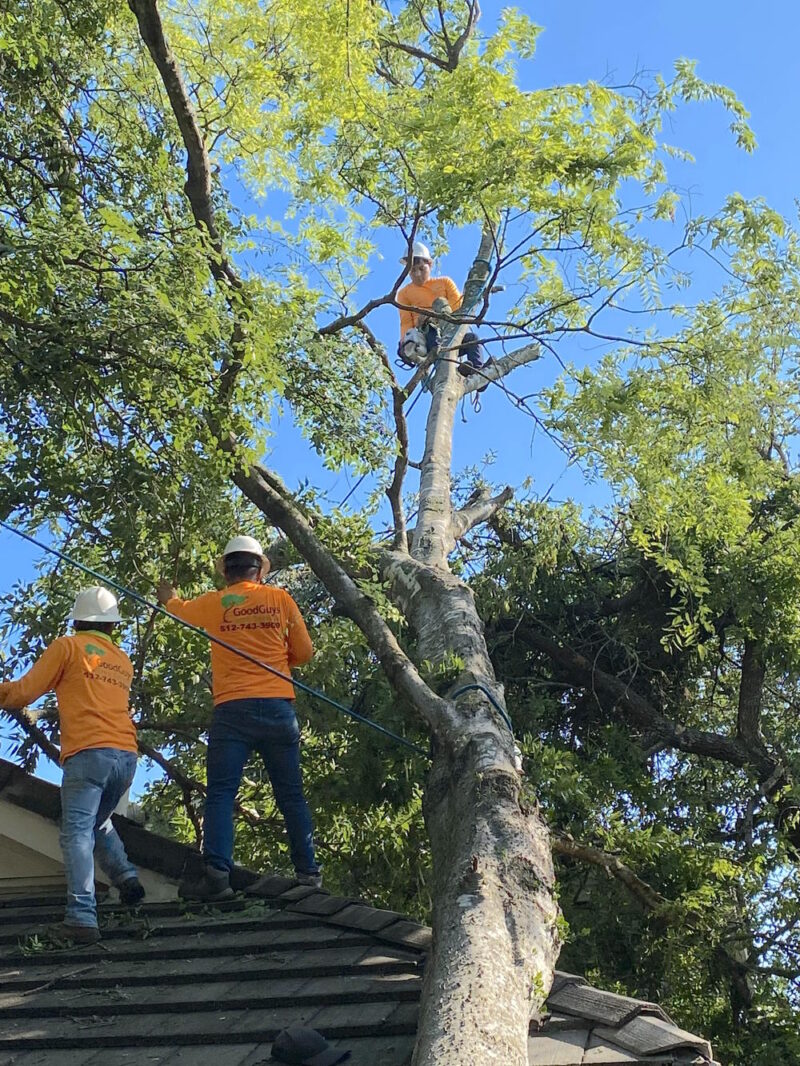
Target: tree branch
(394, 492)
(500, 368)
(343, 321)
(481, 510)
(563, 844)
(198, 185)
(23, 719)
(186, 784)
(751, 691)
(588, 675)
(452, 49)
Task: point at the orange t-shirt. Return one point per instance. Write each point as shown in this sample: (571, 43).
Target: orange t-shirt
(92, 681)
(263, 621)
(422, 296)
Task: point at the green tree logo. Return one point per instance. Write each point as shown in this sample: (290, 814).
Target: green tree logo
(233, 599)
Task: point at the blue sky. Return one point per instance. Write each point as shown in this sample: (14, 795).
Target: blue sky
(750, 48)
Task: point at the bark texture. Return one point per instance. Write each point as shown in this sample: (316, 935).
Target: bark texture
(494, 915)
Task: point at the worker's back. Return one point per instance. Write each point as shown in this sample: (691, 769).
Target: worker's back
(91, 678)
(261, 620)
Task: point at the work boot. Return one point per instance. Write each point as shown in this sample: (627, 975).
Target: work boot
(211, 886)
(131, 892)
(466, 370)
(314, 880)
(65, 935)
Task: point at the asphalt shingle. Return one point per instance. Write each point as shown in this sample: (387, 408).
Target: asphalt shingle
(187, 984)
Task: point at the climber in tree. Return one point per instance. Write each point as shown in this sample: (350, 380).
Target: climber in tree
(440, 295)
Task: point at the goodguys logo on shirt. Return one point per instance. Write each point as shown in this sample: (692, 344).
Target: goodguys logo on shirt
(241, 614)
(94, 656)
(96, 668)
(231, 599)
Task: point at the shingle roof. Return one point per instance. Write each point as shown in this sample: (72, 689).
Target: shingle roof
(212, 987)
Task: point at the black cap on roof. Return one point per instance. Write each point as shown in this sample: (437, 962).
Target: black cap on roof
(306, 1047)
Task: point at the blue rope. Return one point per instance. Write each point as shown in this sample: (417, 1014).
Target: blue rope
(315, 693)
(490, 698)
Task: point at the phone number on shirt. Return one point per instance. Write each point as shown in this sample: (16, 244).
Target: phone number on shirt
(107, 680)
(229, 628)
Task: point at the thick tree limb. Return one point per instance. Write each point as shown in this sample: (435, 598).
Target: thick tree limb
(563, 844)
(587, 674)
(481, 510)
(198, 185)
(751, 692)
(497, 369)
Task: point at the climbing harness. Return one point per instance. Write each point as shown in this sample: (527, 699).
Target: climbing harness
(427, 381)
(315, 693)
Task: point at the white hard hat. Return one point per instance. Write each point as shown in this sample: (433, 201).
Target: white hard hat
(243, 544)
(95, 604)
(418, 251)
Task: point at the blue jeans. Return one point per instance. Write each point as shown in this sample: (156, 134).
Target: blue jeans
(269, 727)
(470, 348)
(94, 782)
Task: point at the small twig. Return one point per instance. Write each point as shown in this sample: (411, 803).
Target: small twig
(59, 977)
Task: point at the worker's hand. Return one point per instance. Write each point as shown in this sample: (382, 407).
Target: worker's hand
(165, 592)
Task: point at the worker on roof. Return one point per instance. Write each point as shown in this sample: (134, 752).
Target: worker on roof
(418, 330)
(253, 709)
(92, 678)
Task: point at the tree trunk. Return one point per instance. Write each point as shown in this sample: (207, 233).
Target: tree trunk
(495, 940)
(494, 931)
(494, 916)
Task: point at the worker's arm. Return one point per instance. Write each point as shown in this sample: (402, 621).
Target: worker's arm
(299, 642)
(406, 321)
(42, 677)
(452, 294)
(193, 611)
